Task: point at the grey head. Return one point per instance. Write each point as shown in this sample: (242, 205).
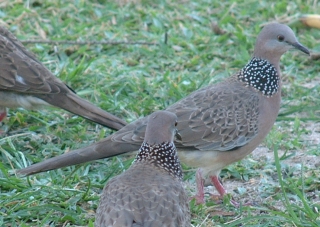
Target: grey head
(274, 40)
(161, 127)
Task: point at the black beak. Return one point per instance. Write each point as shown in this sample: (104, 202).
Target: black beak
(300, 47)
(178, 136)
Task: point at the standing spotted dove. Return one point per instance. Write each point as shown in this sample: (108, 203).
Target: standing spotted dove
(26, 82)
(150, 192)
(219, 124)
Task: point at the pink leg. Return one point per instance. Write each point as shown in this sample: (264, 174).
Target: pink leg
(3, 115)
(217, 184)
(222, 191)
(200, 188)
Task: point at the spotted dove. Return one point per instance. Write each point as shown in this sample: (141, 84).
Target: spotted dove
(219, 124)
(150, 192)
(26, 82)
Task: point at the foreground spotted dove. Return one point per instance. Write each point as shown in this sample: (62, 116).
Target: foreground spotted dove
(26, 82)
(150, 192)
(219, 124)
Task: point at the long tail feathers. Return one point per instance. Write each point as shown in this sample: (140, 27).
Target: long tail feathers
(103, 149)
(74, 104)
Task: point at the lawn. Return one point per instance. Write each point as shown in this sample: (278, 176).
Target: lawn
(158, 52)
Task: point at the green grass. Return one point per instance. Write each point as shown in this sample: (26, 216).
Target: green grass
(134, 80)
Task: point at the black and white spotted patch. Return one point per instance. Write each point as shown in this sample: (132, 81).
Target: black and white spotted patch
(163, 155)
(261, 75)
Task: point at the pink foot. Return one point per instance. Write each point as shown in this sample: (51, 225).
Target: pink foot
(222, 191)
(200, 188)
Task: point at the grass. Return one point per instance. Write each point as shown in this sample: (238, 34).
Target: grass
(133, 80)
